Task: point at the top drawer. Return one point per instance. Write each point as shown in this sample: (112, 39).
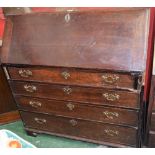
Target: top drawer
(76, 76)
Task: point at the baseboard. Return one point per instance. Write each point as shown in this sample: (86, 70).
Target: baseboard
(9, 117)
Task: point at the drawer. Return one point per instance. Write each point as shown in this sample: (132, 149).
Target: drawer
(94, 131)
(153, 122)
(77, 110)
(75, 77)
(75, 93)
(151, 139)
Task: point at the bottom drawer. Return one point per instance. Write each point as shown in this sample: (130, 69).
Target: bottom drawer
(79, 110)
(95, 131)
(151, 139)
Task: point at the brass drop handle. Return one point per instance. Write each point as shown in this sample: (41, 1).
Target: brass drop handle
(30, 88)
(65, 75)
(111, 132)
(111, 115)
(67, 90)
(111, 97)
(40, 120)
(73, 122)
(70, 106)
(25, 73)
(110, 79)
(35, 104)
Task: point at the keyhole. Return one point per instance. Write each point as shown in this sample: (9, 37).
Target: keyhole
(67, 17)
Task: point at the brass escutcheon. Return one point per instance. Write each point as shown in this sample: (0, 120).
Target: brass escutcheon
(67, 90)
(25, 73)
(110, 115)
(35, 104)
(70, 106)
(67, 17)
(111, 132)
(30, 88)
(110, 79)
(111, 97)
(40, 120)
(73, 122)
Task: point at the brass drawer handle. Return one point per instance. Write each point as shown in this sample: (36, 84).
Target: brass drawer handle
(111, 97)
(35, 104)
(65, 75)
(40, 120)
(30, 88)
(70, 106)
(111, 132)
(111, 115)
(73, 122)
(25, 73)
(67, 90)
(110, 78)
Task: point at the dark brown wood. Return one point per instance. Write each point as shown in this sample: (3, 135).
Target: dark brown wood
(16, 10)
(153, 104)
(151, 142)
(26, 10)
(9, 117)
(100, 96)
(61, 60)
(106, 144)
(79, 110)
(150, 118)
(76, 76)
(152, 95)
(7, 103)
(153, 122)
(80, 128)
(31, 133)
(94, 39)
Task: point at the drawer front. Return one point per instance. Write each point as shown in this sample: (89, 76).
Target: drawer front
(75, 93)
(151, 140)
(80, 128)
(74, 76)
(153, 122)
(76, 110)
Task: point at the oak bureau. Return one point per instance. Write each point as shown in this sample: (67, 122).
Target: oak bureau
(79, 74)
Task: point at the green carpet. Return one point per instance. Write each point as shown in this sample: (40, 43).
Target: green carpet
(47, 141)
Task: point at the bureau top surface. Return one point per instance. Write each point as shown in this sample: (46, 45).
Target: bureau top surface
(115, 40)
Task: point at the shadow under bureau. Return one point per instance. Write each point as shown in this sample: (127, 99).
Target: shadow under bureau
(79, 74)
